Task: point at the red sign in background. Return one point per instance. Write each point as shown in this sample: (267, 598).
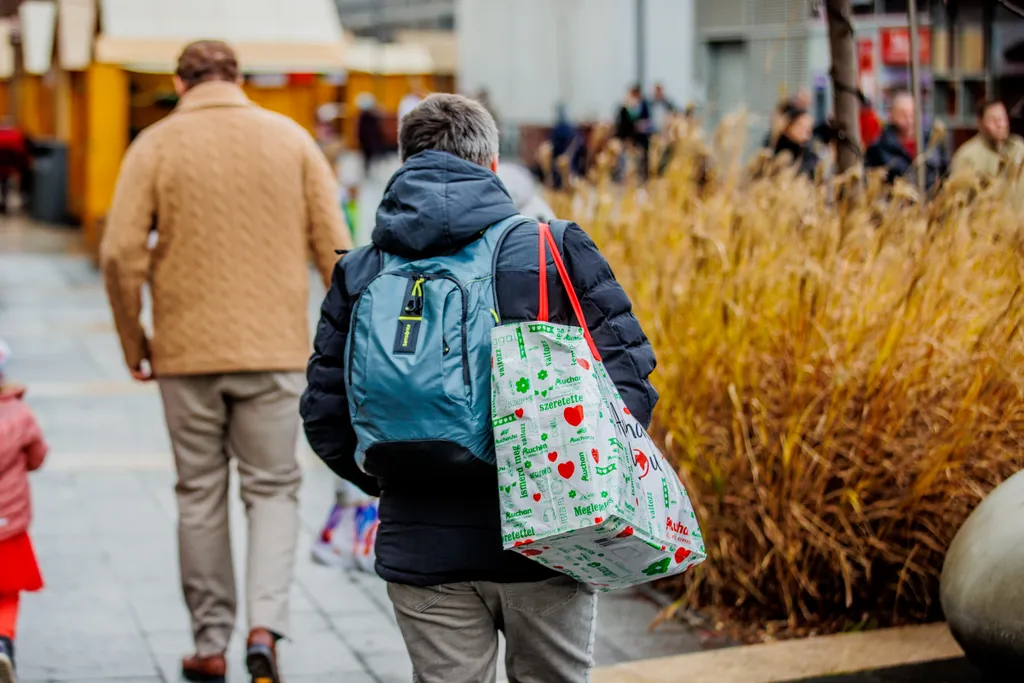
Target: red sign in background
(896, 46)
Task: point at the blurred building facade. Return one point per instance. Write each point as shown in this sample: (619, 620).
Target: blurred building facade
(382, 19)
(752, 52)
(531, 55)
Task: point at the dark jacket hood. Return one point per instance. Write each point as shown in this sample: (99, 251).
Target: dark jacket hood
(437, 203)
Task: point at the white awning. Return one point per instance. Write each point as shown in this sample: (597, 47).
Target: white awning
(442, 46)
(76, 29)
(371, 56)
(38, 19)
(151, 56)
(270, 36)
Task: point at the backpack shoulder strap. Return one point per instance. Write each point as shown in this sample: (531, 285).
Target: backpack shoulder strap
(558, 228)
(360, 266)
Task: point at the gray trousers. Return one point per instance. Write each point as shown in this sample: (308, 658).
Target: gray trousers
(252, 418)
(451, 630)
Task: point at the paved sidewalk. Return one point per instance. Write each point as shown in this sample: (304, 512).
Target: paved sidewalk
(105, 513)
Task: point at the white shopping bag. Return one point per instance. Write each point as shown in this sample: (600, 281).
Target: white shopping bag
(583, 488)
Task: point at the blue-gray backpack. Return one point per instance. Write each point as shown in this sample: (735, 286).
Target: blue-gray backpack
(419, 361)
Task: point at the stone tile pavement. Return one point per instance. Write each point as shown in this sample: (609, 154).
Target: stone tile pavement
(104, 523)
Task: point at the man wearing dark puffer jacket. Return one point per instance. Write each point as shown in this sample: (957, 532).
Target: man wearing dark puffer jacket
(439, 545)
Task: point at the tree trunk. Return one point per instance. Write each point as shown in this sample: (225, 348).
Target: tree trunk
(845, 101)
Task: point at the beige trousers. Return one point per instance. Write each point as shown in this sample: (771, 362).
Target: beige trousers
(252, 418)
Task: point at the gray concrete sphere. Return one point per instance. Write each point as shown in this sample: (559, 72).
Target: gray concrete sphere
(982, 586)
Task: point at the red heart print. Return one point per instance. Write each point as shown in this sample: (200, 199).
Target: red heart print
(558, 566)
(662, 547)
(519, 412)
(567, 469)
(595, 455)
(519, 543)
(598, 520)
(573, 415)
(626, 411)
(682, 554)
(553, 456)
(536, 497)
(533, 552)
(584, 363)
(628, 531)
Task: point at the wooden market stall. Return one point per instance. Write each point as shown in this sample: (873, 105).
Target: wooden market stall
(112, 76)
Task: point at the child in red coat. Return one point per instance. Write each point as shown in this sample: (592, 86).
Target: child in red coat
(22, 450)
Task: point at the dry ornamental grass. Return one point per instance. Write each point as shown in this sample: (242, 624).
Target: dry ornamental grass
(841, 379)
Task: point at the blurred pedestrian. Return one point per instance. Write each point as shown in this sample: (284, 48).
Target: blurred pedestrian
(899, 152)
(484, 97)
(779, 118)
(870, 123)
(439, 544)
(634, 124)
(415, 95)
(240, 197)
(662, 109)
(794, 141)
(22, 450)
(368, 131)
(565, 142)
(994, 152)
(348, 534)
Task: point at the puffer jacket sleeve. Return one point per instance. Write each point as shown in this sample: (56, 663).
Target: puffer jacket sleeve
(324, 405)
(626, 351)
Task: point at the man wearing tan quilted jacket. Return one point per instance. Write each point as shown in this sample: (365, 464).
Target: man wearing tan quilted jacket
(240, 198)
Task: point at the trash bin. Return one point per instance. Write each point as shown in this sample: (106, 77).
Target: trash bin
(50, 182)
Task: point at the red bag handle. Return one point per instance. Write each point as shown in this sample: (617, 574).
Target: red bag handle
(546, 240)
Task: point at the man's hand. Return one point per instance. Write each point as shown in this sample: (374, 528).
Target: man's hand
(143, 373)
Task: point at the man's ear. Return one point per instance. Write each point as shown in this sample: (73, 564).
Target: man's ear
(494, 164)
(179, 86)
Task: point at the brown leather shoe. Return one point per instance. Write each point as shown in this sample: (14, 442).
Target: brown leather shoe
(261, 656)
(211, 669)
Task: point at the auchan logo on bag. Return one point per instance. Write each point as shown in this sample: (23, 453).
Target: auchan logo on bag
(677, 527)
